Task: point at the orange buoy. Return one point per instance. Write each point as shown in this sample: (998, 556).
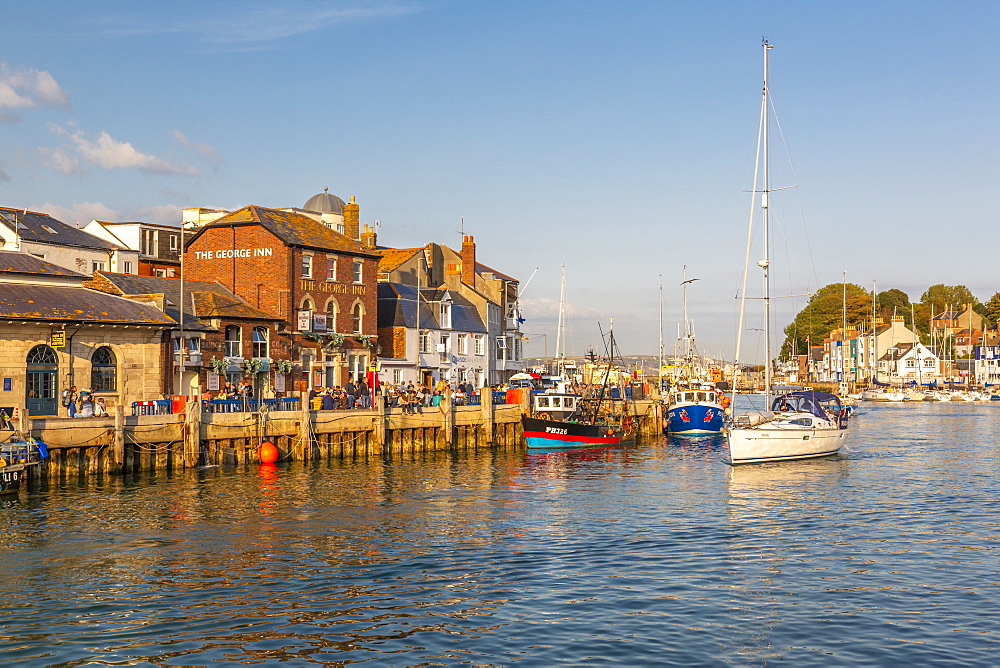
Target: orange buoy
(267, 452)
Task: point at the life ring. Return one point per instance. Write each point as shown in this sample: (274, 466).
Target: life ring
(724, 401)
(544, 416)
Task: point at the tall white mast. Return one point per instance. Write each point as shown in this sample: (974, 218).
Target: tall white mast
(561, 325)
(660, 367)
(766, 262)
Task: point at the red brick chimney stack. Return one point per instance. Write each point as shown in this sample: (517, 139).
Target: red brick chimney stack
(469, 261)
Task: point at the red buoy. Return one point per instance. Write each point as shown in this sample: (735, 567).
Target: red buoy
(267, 452)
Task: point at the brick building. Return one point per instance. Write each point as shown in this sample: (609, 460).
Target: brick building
(300, 268)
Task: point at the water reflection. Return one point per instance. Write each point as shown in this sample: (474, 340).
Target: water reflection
(885, 554)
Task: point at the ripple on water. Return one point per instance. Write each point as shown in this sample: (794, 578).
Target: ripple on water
(647, 555)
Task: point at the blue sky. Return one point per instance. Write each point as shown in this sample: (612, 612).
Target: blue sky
(614, 138)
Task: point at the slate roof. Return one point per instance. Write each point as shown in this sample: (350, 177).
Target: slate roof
(294, 229)
(202, 299)
(397, 307)
(76, 304)
(32, 228)
(19, 262)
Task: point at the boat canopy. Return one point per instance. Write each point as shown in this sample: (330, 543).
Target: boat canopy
(806, 402)
(876, 381)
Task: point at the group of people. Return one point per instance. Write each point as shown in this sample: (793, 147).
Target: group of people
(81, 403)
(355, 394)
(241, 390)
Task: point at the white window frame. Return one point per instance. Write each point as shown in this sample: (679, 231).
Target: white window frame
(331, 268)
(463, 344)
(480, 344)
(359, 270)
(307, 265)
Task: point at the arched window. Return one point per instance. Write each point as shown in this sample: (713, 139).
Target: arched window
(42, 355)
(234, 341)
(260, 342)
(331, 316)
(104, 370)
(358, 315)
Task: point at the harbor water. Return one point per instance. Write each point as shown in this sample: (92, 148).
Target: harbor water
(657, 553)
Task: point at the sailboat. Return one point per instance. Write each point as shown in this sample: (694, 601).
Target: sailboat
(802, 424)
(694, 405)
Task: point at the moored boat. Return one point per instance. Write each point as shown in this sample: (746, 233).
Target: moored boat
(798, 426)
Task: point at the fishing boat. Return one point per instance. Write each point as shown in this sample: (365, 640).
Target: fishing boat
(694, 405)
(561, 418)
(16, 456)
(797, 426)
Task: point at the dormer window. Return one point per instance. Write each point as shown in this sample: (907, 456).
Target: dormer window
(445, 315)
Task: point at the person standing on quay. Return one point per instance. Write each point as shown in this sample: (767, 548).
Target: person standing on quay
(69, 399)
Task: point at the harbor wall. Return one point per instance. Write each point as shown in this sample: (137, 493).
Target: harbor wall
(123, 444)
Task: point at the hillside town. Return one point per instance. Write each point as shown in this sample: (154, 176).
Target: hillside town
(284, 300)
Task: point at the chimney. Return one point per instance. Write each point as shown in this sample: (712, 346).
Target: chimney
(352, 218)
(368, 237)
(469, 261)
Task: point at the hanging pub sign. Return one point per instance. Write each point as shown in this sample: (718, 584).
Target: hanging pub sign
(279, 382)
(319, 322)
(57, 339)
(304, 321)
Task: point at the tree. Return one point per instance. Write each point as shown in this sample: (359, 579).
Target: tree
(992, 307)
(943, 297)
(891, 302)
(823, 314)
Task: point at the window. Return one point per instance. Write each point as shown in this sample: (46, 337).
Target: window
(358, 273)
(260, 340)
(426, 341)
(331, 268)
(103, 371)
(173, 242)
(501, 347)
(160, 273)
(397, 375)
(150, 239)
(358, 315)
(96, 266)
(929, 362)
(480, 344)
(445, 315)
(911, 363)
(307, 266)
(234, 341)
(126, 267)
(444, 347)
(463, 344)
(331, 316)
(49, 229)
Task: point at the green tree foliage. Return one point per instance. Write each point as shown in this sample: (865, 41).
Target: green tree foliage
(823, 314)
(992, 309)
(891, 302)
(943, 297)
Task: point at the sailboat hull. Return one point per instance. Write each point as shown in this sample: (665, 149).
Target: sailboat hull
(751, 446)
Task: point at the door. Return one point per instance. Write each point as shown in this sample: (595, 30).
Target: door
(40, 382)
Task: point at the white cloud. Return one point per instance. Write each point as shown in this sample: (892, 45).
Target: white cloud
(81, 213)
(205, 150)
(84, 212)
(59, 160)
(256, 26)
(107, 152)
(26, 88)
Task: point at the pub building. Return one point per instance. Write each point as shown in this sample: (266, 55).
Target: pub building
(315, 270)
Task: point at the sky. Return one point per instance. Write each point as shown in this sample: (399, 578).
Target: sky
(615, 139)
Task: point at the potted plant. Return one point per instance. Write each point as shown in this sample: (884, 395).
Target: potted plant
(219, 366)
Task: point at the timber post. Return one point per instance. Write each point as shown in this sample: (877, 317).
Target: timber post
(448, 409)
(118, 442)
(486, 404)
(192, 432)
(301, 447)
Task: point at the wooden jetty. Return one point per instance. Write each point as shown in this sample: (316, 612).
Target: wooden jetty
(122, 444)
